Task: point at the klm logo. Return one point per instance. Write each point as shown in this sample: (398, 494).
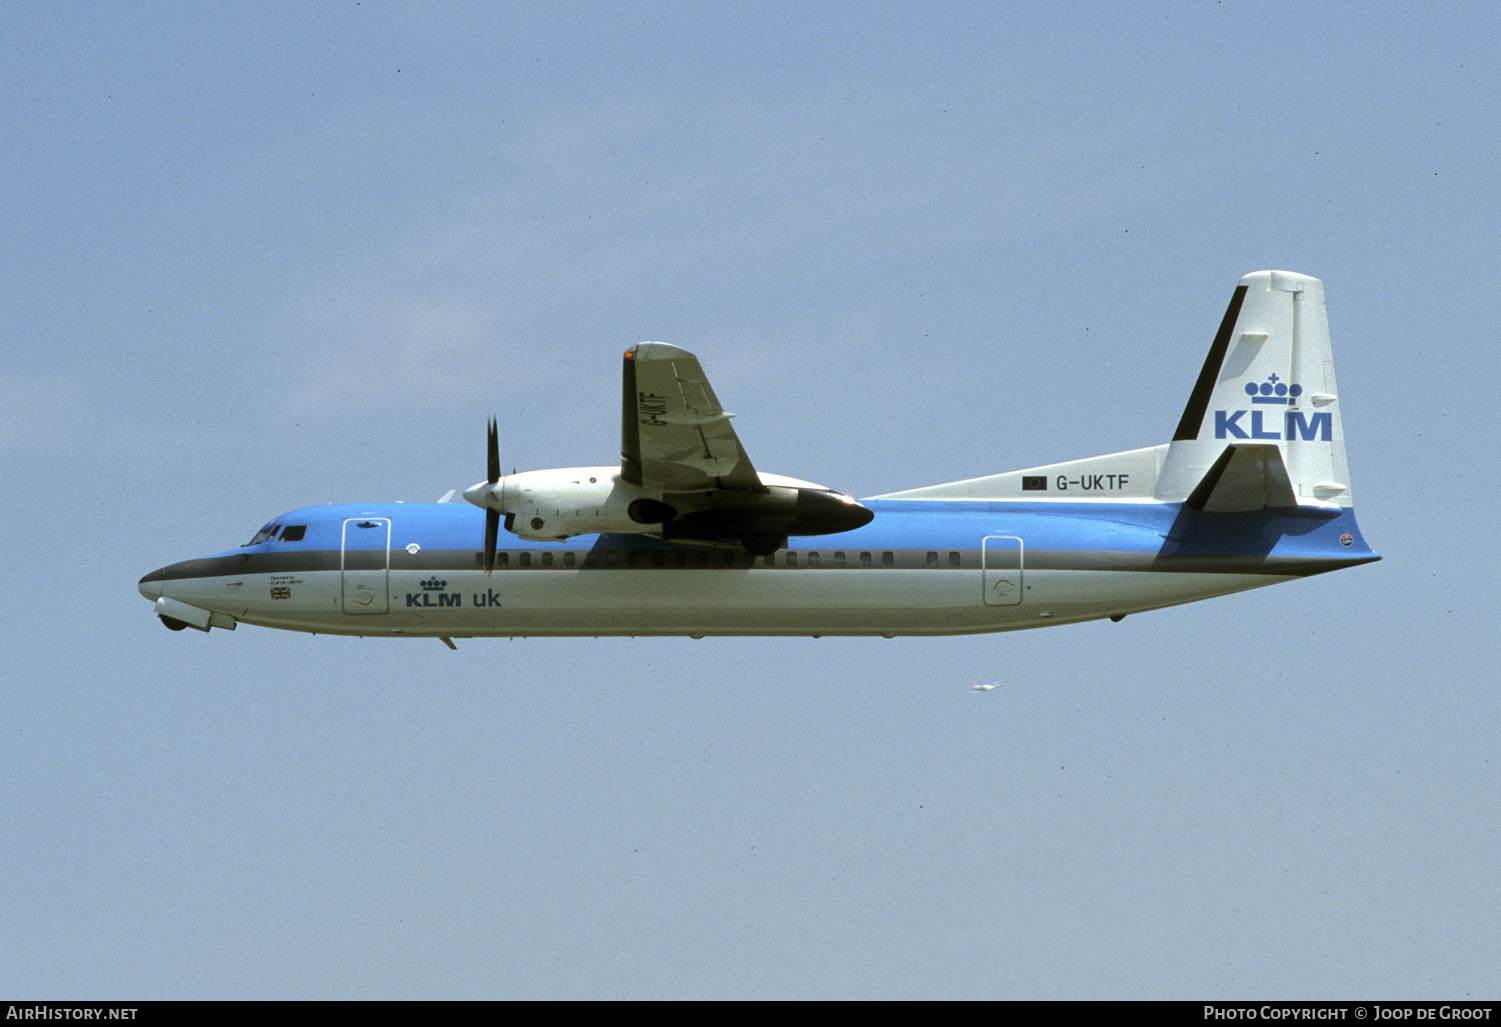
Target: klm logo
(1273, 390)
(1272, 425)
(1315, 428)
(433, 589)
(433, 600)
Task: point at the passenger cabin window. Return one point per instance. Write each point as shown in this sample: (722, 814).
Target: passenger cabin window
(718, 557)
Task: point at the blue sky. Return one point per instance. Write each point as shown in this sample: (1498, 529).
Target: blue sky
(283, 254)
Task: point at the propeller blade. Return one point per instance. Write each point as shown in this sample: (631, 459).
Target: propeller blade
(492, 515)
(492, 533)
(494, 447)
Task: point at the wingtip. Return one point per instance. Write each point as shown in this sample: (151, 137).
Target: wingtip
(657, 351)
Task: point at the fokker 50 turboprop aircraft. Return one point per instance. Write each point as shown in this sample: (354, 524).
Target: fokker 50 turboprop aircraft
(685, 537)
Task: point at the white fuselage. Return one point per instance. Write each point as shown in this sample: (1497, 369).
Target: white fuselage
(396, 570)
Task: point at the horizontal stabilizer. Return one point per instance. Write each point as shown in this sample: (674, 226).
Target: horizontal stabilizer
(1245, 478)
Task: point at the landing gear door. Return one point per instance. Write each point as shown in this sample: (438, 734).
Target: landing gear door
(1003, 570)
(365, 565)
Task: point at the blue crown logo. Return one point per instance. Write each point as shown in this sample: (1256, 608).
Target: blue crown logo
(434, 585)
(1273, 390)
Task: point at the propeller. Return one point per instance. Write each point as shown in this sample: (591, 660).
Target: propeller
(492, 515)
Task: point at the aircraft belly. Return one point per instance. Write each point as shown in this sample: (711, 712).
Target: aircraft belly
(756, 602)
(753, 601)
(686, 602)
(573, 603)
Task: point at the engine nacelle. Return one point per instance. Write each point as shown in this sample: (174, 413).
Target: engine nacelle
(543, 506)
(552, 505)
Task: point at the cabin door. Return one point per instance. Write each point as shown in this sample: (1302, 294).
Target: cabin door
(365, 565)
(1003, 570)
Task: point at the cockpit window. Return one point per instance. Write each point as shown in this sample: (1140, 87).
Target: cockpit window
(291, 533)
(264, 535)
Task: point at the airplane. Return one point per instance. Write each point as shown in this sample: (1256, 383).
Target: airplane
(686, 537)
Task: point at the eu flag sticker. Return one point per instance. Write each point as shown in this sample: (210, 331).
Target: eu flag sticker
(1034, 483)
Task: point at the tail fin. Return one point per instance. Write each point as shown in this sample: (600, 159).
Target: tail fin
(1264, 407)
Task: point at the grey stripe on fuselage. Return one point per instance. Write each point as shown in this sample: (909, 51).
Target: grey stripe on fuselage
(705, 558)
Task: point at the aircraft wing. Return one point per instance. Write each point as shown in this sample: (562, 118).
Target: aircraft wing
(675, 437)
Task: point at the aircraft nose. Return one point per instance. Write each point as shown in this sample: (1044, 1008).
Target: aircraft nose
(151, 585)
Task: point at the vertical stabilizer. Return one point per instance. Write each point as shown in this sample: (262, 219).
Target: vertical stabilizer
(1268, 381)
